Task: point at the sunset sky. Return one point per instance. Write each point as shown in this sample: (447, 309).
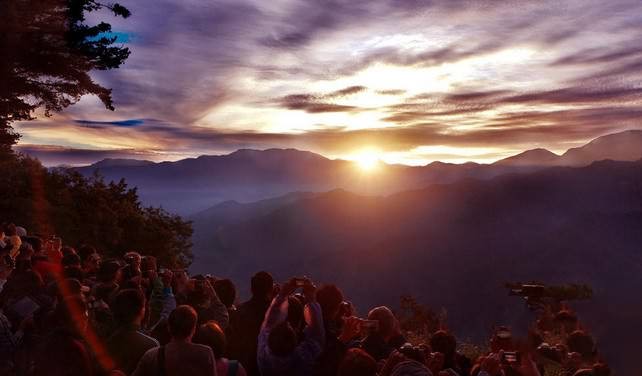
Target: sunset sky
(407, 80)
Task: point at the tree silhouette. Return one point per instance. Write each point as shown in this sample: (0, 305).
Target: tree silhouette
(81, 210)
(417, 318)
(47, 53)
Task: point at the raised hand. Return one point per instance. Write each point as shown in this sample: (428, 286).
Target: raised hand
(351, 329)
(528, 367)
(492, 364)
(288, 288)
(309, 290)
(435, 362)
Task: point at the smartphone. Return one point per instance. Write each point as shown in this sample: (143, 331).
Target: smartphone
(511, 357)
(300, 282)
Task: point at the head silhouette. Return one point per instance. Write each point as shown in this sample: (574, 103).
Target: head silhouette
(357, 363)
(262, 285)
(182, 322)
(210, 334)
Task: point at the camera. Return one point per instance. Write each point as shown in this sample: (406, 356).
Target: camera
(416, 353)
(199, 283)
(370, 325)
(511, 357)
(299, 282)
(551, 352)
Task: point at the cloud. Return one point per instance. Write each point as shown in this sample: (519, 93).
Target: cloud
(425, 107)
(347, 91)
(319, 103)
(311, 104)
(310, 20)
(116, 123)
(182, 57)
(578, 95)
(475, 96)
(212, 76)
(598, 55)
(391, 92)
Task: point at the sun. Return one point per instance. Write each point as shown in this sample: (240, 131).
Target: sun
(367, 160)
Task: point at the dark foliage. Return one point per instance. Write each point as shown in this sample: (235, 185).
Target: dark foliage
(417, 318)
(83, 210)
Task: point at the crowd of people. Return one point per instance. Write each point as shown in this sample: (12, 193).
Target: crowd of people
(69, 311)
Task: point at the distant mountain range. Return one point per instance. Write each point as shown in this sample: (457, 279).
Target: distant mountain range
(191, 185)
(624, 146)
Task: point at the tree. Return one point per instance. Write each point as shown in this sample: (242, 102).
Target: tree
(418, 319)
(90, 211)
(47, 53)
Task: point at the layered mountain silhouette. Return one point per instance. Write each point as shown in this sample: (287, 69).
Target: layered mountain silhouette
(120, 162)
(531, 158)
(623, 146)
(207, 223)
(191, 185)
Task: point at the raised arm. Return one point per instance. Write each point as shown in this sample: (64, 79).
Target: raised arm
(218, 309)
(278, 311)
(314, 338)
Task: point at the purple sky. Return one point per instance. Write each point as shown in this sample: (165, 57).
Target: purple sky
(405, 81)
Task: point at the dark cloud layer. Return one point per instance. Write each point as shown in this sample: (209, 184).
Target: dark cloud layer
(607, 103)
(118, 123)
(318, 103)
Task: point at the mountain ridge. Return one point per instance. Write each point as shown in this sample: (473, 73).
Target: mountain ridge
(190, 185)
(619, 137)
(532, 157)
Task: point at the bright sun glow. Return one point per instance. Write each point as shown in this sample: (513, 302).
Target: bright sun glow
(367, 160)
